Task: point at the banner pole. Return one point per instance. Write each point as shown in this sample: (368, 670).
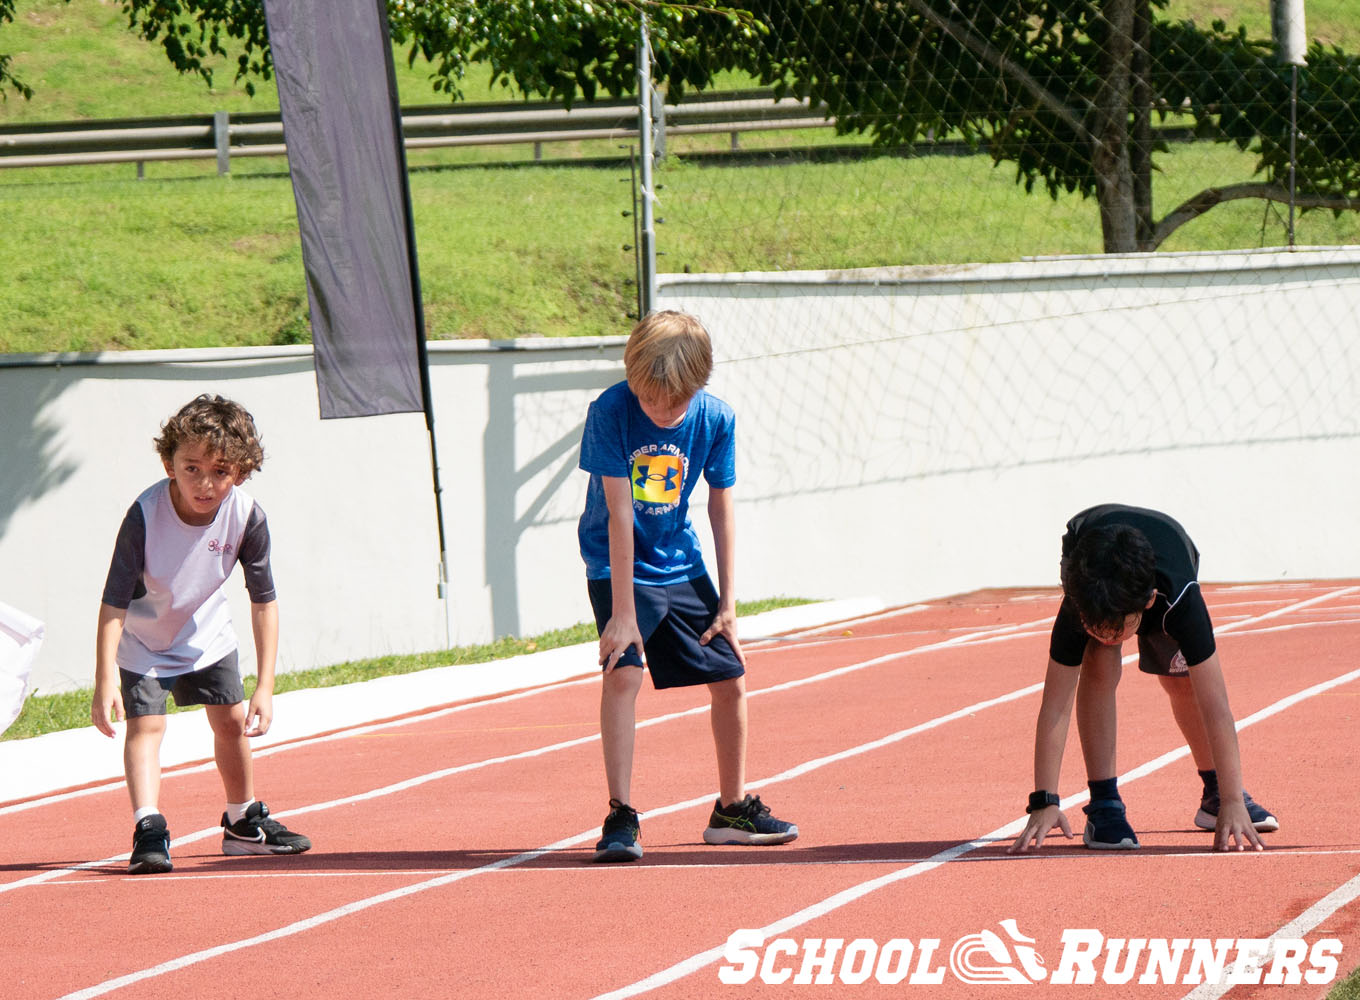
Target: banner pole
(427, 397)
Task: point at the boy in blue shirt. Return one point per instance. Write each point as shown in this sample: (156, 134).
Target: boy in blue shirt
(646, 440)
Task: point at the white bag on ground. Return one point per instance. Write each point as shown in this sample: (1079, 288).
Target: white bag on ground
(20, 637)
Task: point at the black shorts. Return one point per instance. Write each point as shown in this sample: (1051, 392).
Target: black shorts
(1160, 654)
(671, 620)
(217, 684)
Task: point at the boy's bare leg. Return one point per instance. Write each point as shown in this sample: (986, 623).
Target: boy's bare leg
(1097, 720)
(142, 759)
(231, 750)
(1185, 709)
(728, 718)
(618, 723)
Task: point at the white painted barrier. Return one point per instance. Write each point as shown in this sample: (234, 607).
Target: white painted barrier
(905, 433)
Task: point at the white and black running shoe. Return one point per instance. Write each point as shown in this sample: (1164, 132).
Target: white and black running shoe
(256, 833)
(150, 847)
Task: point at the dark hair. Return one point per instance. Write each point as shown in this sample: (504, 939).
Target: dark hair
(1109, 573)
(220, 424)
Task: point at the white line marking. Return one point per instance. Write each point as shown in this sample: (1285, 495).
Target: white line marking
(419, 780)
(846, 623)
(607, 871)
(1306, 921)
(699, 961)
(1010, 830)
(422, 716)
(581, 838)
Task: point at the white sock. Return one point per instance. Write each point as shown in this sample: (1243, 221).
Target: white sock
(236, 811)
(142, 813)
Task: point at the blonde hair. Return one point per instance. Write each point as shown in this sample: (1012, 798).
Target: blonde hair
(220, 424)
(668, 354)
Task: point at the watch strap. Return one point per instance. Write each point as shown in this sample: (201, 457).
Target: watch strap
(1041, 800)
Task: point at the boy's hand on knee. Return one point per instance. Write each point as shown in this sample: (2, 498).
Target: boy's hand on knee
(106, 708)
(620, 633)
(725, 625)
(259, 714)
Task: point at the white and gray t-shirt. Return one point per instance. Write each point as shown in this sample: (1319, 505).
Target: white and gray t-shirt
(169, 575)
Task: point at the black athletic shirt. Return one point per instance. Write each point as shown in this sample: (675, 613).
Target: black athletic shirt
(1178, 610)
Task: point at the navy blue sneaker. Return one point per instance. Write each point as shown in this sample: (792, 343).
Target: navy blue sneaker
(747, 822)
(256, 833)
(1261, 817)
(150, 847)
(621, 835)
(1106, 827)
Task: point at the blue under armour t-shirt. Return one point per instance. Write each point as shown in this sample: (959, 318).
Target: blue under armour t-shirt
(662, 463)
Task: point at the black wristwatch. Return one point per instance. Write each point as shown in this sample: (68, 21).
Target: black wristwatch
(1041, 800)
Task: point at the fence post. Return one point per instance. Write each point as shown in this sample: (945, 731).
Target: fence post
(222, 138)
(647, 199)
(1291, 43)
(658, 122)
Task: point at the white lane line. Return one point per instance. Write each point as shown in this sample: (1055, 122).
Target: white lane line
(682, 969)
(768, 861)
(420, 716)
(442, 773)
(588, 836)
(1342, 895)
(694, 963)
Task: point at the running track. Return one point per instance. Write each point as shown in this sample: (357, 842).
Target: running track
(452, 847)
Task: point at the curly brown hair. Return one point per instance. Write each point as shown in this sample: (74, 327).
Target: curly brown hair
(224, 426)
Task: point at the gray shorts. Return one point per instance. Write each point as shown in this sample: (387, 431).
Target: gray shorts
(217, 684)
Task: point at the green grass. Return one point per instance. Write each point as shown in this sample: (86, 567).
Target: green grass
(95, 259)
(1332, 22)
(83, 62)
(1346, 989)
(47, 713)
(122, 264)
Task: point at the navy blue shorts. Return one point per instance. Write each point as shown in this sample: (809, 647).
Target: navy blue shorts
(216, 684)
(671, 620)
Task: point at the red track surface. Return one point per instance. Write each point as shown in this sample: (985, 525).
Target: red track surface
(452, 849)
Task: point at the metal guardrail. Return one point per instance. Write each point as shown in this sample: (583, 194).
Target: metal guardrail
(222, 137)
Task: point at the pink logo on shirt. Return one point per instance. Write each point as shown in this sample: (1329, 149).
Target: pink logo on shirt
(215, 546)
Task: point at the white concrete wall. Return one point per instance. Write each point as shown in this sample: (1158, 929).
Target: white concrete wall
(923, 431)
(904, 433)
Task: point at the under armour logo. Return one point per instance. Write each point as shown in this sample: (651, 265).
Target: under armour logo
(668, 477)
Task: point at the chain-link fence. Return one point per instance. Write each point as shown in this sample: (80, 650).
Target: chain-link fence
(1002, 129)
(1194, 169)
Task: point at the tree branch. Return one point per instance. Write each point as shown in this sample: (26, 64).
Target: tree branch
(990, 55)
(1194, 207)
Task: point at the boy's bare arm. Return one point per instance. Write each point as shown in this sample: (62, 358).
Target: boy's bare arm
(264, 623)
(106, 707)
(1211, 694)
(1050, 740)
(621, 631)
(722, 519)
